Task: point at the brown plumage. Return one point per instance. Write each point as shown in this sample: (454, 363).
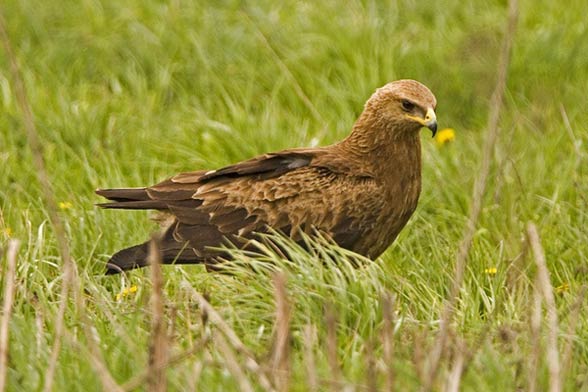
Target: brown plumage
(360, 191)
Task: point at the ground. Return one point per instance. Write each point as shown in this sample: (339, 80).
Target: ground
(128, 93)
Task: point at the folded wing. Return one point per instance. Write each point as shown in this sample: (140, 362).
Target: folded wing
(288, 191)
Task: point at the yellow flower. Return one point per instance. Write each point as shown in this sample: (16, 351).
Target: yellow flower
(125, 292)
(562, 288)
(445, 136)
(491, 271)
(65, 205)
(7, 232)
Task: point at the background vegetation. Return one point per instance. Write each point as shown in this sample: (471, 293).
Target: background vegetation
(126, 93)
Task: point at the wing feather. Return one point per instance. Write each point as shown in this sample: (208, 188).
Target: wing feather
(284, 190)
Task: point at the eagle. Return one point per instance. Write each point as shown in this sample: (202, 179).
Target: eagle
(360, 192)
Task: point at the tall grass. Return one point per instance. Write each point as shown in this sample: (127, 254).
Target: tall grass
(127, 93)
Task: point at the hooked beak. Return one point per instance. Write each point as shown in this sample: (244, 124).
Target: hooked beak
(430, 120)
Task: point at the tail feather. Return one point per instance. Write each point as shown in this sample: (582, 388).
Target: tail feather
(124, 194)
(127, 259)
(135, 205)
(137, 257)
(172, 251)
(129, 199)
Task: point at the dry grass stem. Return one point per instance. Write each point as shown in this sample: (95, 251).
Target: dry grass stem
(309, 342)
(94, 352)
(48, 198)
(388, 301)
(195, 375)
(535, 327)
(109, 384)
(230, 361)
(546, 290)
(457, 369)
(39, 329)
(158, 346)
(568, 349)
(418, 354)
(212, 316)
(173, 316)
(68, 279)
(95, 358)
(332, 356)
(9, 290)
(138, 380)
(432, 365)
(281, 349)
(371, 373)
(93, 349)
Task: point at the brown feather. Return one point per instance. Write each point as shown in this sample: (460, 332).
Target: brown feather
(360, 191)
(124, 194)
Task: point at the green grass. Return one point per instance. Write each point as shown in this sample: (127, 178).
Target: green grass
(128, 93)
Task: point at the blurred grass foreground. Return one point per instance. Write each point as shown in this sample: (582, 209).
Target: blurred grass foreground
(128, 93)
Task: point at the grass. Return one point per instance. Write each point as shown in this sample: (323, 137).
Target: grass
(128, 93)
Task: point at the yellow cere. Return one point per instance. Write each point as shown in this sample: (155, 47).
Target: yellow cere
(445, 136)
(491, 271)
(65, 205)
(126, 292)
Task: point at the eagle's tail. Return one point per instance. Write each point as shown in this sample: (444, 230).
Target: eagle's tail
(128, 258)
(129, 199)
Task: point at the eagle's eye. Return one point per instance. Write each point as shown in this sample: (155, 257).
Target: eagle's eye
(407, 105)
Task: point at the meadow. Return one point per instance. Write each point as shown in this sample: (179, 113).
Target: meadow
(127, 93)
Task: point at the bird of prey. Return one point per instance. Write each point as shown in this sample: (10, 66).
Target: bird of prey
(360, 191)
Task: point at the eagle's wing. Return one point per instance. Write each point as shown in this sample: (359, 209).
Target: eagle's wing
(288, 191)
